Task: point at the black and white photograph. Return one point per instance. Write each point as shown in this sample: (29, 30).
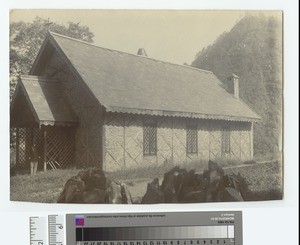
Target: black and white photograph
(146, 106)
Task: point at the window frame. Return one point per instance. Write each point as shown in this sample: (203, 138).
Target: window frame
(226, 141)
(153, 126)
(192, 139)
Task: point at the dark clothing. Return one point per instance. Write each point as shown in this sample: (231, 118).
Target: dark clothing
(34, 156)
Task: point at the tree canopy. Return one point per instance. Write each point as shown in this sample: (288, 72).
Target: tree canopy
(27, 38)
(253, 51)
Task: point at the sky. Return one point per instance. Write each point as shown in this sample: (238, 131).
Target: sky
(168, 35)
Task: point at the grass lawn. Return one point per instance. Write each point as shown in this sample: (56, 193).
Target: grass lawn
(43, 187)
(264, 180)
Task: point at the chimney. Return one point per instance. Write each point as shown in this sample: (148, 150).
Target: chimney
(233, 86)
(142, 52)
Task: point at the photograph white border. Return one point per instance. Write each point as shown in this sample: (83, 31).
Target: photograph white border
(273, 222)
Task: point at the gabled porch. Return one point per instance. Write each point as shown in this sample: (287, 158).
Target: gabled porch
(40, 116)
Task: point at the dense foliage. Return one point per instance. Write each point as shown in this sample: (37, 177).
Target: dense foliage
(27, 38)
(253, 51)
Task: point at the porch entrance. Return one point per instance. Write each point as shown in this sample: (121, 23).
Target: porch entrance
(54, 144)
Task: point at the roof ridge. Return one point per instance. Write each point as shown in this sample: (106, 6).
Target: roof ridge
(134, 55)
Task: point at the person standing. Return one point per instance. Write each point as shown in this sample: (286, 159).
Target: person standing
(34, 158)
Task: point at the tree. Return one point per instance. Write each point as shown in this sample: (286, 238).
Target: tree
(25, 42)
(253, 50)
(27, 38)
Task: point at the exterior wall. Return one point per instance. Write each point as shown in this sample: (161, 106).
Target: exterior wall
(123, 142)
(203, 141)
(179, 141)
(215, 140)
(88, 136)
(165, 141)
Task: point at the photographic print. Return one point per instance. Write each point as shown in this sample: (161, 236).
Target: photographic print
(145, 106)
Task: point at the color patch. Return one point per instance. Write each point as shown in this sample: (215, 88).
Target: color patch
(79, 221)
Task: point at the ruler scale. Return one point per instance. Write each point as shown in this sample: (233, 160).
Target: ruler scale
(212, 241)
(56, 229)
(38, 230)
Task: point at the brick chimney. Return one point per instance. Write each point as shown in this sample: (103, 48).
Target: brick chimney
(142, 52)
(233, 85)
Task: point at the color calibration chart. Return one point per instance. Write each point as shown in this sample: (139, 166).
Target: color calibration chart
(180, 228)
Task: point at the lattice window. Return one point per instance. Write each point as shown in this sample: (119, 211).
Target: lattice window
(150, 139)
(59, 147)
(191, 139)
(226, 141)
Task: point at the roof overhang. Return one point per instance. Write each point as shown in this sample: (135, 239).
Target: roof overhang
(42, 101)
(179, 114)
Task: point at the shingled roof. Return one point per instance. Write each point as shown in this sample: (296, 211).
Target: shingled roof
(45, 99)
(130, 83)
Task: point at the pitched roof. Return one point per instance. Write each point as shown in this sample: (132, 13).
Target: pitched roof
(46, 100)
(130, 83)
